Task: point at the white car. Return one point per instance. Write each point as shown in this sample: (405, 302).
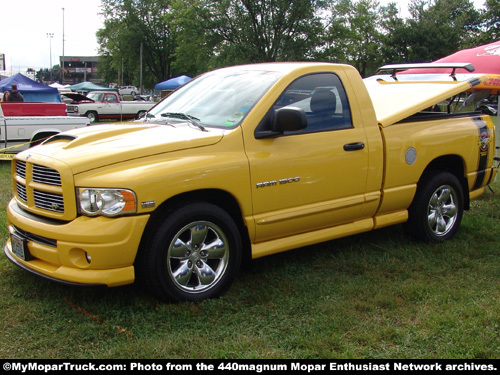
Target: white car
(128, 90)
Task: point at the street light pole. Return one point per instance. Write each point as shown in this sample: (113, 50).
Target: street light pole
(50, 36)
(62, 62)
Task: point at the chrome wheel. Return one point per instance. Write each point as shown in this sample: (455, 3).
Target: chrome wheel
(197, 257)
(442, 211)
(92, 116)
(191, 251)
(437, 209)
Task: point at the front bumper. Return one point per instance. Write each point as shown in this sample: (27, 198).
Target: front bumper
(90, 251)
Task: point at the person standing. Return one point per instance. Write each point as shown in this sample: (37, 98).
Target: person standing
(15, 96)
(5, 96)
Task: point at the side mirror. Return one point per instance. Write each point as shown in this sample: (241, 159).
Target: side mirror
(289, 119)
(281, 120)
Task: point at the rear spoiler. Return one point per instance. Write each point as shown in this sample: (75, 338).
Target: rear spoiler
(395, 68)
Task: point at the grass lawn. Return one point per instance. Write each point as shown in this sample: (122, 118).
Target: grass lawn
(375, 295)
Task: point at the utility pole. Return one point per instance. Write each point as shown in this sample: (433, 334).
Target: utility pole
(50, 36)
(62, 62)
(140, 71)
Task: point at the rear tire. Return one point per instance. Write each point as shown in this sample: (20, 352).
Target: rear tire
(437, 210)
(193, 253)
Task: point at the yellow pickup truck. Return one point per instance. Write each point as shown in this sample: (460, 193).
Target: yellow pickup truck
(244, 162)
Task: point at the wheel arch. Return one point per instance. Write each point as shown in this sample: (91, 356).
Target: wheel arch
(453, 164)
(220, 198)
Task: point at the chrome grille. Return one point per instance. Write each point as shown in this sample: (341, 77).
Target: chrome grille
(21, 192)
(46, 175)
(39, 189)
(48, 201)
(21, 169)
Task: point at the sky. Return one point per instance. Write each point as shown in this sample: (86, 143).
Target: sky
(403, 5)
(26, 23)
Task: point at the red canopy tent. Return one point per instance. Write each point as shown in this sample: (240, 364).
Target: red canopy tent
(486, 59)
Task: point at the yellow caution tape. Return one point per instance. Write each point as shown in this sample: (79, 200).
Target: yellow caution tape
(4, 156)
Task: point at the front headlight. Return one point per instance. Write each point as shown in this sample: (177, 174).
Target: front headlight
(106, 202)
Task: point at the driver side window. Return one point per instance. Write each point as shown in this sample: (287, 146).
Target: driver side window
(111, 99)
(323, 99)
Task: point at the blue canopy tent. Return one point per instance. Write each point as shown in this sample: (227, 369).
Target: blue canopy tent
(172, 83)
(31, 91)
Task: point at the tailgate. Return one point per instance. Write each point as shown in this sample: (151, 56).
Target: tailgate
(411, 93)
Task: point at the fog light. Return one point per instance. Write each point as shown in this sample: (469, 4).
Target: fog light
(80, 258)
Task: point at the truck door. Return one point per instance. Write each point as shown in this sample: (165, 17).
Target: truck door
(111, 107)
(313, 178)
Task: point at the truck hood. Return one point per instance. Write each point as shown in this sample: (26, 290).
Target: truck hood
(77, 98)
(394, 101)
(94, 146)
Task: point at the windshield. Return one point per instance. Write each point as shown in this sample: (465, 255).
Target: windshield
(220, 98)
(95, 96)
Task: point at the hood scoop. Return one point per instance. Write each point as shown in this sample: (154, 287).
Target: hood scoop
(88, 135)
(60, 137)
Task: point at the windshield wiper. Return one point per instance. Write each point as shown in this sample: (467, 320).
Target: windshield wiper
(147, 116)
(183, 116)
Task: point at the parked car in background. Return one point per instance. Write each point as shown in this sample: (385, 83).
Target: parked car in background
(146, 98)
(128, 90)
(98, 105)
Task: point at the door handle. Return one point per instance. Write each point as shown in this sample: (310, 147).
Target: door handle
(354, 146)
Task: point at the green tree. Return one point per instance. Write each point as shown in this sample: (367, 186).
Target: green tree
(129, 27)
(195, 40)
(192, 36)
(436, 29)
(395, 38)
(490, 22)
(352, 34)
(249, 31)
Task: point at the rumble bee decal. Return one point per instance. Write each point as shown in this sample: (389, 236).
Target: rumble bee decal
(483, 146)
(484, 140)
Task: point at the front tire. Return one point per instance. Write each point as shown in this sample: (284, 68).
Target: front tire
(92, 116)
(437, 209)
(194, 253)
